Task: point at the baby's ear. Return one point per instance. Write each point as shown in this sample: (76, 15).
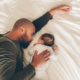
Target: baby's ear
(40, 37)
(55, 47)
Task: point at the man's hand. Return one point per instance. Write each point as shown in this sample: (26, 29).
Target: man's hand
(60, 9)
(42, 58)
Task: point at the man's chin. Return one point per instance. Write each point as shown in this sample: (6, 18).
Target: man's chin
(29, 41)
(25, 44)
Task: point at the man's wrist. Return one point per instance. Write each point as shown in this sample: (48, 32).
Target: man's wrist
(52, 12)
(33, 65)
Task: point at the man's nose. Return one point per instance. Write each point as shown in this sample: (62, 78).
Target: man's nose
(32, 38)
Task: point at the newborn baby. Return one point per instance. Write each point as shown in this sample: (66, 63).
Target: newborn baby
(46, 41)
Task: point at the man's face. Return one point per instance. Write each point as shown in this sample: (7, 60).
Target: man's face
(27, 36)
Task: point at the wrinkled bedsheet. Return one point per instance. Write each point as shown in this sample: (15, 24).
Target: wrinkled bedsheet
(65, 28)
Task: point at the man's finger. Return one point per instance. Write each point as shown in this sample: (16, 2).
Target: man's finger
(36, 53)
(47, 59)
(47, 55)
(66, 7)
(44, 52)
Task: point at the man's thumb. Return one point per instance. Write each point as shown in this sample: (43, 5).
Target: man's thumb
(36, 53)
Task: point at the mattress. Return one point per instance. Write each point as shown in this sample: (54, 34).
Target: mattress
(65, 28)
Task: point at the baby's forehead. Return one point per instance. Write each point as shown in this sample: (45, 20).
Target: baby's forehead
(46, 37)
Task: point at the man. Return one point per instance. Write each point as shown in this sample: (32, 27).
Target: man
(13, 42)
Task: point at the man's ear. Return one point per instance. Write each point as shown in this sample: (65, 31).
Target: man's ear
(22, 30)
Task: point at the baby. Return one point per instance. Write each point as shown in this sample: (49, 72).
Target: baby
(46, 41)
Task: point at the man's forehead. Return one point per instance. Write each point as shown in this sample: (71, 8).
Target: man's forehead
(30, 26)
(33, 28)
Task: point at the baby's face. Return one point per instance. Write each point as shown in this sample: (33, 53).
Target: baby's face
(40, 41)
(47, 40)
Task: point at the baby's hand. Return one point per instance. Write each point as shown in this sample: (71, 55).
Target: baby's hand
(55, 47)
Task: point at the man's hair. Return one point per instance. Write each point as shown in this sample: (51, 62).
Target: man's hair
(48, 39)
(21, 22)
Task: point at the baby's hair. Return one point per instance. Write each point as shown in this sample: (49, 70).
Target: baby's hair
(48, 39)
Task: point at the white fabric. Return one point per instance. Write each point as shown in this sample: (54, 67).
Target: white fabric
(65, 27)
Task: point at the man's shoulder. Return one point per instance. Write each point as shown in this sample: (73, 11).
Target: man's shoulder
(5, 40)
(7, 43)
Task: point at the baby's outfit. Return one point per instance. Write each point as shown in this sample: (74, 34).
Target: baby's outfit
(41, 73)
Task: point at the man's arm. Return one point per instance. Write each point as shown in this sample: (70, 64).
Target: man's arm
(41, 21)
(8, 64)
(26, 74)
(8, 61)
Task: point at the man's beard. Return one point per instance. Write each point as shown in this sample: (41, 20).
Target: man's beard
(24, 44)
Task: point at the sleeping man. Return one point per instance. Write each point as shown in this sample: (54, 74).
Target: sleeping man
(45, 42)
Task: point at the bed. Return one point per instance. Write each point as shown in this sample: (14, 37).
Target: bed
(65, 28)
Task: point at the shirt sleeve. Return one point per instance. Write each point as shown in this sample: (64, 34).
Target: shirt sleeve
(26, 74)
(8, 64)
(41, 21)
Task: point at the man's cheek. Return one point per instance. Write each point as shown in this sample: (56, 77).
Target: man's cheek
(29, 39)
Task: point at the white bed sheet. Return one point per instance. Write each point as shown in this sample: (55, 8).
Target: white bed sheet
(65, 28)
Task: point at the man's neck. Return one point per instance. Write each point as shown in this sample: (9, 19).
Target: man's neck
(12, 35)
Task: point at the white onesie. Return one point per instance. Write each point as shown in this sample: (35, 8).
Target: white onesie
(41, 73)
